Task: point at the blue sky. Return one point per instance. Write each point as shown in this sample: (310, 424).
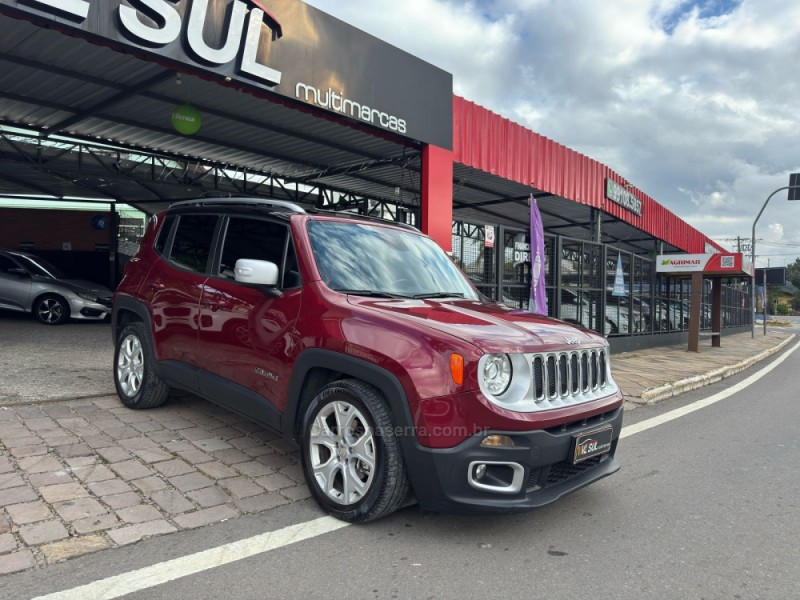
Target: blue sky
(695, 102)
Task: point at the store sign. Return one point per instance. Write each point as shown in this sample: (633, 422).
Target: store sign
(616, 193)
(522, 251)
(716, 263)
(284, 46)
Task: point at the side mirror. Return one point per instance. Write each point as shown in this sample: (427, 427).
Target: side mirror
(256, 272)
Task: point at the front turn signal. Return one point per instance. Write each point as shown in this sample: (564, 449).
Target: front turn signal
(457, 368)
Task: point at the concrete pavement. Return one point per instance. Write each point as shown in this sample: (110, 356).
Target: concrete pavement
(81, 473)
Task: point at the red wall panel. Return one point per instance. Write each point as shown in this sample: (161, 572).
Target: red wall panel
(486, 141)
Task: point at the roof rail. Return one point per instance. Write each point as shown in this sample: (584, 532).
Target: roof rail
(373, 218)
(265, 202)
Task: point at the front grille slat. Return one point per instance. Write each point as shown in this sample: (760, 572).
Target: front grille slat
(572, 376)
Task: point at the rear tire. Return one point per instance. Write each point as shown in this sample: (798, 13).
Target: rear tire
(51, 310)
(351, 457)
(138, 385)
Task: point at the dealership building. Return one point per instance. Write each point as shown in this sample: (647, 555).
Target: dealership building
(145, 102)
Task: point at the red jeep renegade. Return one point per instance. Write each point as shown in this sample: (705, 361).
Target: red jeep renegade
(361, 341)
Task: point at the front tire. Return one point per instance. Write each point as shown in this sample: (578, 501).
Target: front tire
(51, 310)
(138, 385)
(350, 453)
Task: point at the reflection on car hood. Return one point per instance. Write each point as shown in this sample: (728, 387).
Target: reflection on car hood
(491, 327)
(78, 285)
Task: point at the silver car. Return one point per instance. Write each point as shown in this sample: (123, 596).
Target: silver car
(31, 284)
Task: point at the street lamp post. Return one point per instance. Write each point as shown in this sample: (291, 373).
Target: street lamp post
(753, 256)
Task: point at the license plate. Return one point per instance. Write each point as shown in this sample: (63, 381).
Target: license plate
(592, 443)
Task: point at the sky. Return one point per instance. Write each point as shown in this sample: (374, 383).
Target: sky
(696, 103)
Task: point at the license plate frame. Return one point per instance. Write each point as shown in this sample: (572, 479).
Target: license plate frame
(590, 444)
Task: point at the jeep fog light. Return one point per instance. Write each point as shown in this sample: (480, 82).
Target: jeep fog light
(497, 441)
(497, 373)
(480, 471)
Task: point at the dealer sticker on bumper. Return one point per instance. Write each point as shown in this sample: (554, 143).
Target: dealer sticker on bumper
(592, 443)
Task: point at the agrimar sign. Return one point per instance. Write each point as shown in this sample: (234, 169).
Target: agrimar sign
(732, 264)
(282, 46)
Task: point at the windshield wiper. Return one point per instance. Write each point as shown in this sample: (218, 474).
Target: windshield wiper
(438, 295)
(370, 293)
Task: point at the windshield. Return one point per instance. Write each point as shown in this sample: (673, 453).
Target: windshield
(366, 259)
(39, 266)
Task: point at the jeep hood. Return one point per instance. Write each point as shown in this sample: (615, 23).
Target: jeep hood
(491, 327)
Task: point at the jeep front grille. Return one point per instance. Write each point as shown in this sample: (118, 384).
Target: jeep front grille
(569, 376)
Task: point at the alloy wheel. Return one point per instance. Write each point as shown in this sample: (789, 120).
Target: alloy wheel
(130, 365)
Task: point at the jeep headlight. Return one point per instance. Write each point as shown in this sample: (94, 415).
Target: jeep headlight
(497, 373)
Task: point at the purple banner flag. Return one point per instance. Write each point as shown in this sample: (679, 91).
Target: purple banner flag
(538, 296)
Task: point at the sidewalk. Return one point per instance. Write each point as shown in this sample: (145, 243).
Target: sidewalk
(648, 376)
(81, 475)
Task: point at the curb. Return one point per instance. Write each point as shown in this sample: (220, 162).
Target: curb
(669, 390)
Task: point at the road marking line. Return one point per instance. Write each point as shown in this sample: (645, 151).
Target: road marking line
(690, 408)
(147, 577)
(140, 579)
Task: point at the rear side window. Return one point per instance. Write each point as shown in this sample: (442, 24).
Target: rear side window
(192, 244)
(163, 235)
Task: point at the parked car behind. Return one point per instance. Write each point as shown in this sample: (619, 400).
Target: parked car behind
(29, 283)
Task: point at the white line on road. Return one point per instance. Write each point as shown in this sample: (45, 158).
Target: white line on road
(147, 577)
(133, 581)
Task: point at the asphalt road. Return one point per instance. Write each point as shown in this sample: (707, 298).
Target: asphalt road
(706, 506)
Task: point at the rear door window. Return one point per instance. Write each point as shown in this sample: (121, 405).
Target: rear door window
(191, 247)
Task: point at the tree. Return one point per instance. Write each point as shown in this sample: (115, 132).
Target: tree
(793, 273)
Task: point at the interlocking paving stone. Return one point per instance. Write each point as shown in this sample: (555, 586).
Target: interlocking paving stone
(195, 433)
(114, 454)
(79, 509)
(206, 516)
(240, 487)
(190, 481)
(122, 500)
(171, 501)
(16, 561)
(41, 533)
(28, 512)
(217, 470)
(39, 464)
(253, 468)
(5, 523)
(131, 469)
(139, 514)
(179, 446)
(195, 456)
(161, 436)
(40, 480)
(93, 473)
(10, 480)
(275, 461)
(137, 443)
(17, 495)
(275, 482)
(5, 465)
(109, 487)
(231, 456)
(211, 444)
(23, 451)
(79, 546)
(261, 502)
(7, 543)
(96, 523)
(81, 461)
(171, 468)
(149, 484)
(256, 451)
(298, 492)
(62, 492)
(97, 441)
(294, 471)
(134, 533)
(69, 450)
(209, 496)
(152, 455)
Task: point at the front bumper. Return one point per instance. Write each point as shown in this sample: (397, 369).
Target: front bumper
(80, 308)
(543, 470)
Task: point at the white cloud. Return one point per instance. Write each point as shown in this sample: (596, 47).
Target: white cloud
(697, 110)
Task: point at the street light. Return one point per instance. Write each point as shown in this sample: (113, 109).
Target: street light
(794, 184)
